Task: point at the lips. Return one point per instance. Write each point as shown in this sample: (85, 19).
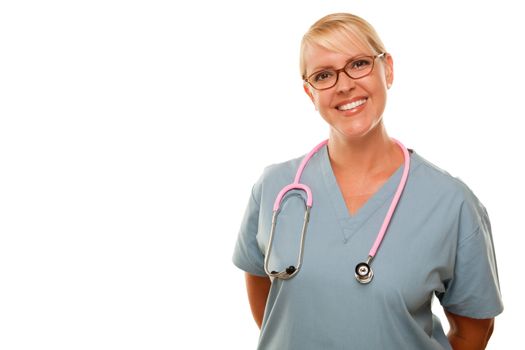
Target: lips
(352, 104)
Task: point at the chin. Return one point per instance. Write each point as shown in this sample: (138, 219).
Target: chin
(356, 132)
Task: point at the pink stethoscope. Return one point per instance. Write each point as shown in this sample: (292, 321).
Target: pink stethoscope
(363, 271)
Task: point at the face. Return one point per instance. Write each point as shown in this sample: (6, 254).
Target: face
(353, 107)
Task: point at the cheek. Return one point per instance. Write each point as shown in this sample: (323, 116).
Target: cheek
(380, 101)
(322, 101)
(317, 100)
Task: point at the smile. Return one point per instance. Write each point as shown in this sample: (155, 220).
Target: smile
(351, 105)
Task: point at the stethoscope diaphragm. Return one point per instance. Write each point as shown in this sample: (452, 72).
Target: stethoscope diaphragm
(363, 272)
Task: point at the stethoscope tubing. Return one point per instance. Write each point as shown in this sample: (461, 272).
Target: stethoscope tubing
(394, 202)
(296, 183)
(291, 271)
(363, 271)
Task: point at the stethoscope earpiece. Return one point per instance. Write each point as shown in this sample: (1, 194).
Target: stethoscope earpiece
(291, 269)
(288, 273)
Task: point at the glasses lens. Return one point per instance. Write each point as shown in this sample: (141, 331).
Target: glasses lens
(323, 79)
(360, 67)
(357, 68)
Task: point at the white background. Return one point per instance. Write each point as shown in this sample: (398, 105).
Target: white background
(131, 133)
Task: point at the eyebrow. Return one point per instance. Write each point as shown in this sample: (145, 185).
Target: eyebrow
(321, 68)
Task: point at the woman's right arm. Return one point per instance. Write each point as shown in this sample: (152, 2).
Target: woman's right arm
(258, 288)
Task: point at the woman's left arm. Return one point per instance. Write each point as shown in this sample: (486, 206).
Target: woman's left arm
(469, 333)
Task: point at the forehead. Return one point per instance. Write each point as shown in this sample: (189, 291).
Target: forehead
(343, 39)
(334, 45)
(317, 57)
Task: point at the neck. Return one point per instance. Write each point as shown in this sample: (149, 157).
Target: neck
(371, 154)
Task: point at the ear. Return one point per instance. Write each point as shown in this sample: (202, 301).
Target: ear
(389, 70)
(308, 92)
(307, 88)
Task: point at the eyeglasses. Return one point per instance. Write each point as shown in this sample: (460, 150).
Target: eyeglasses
(356, 68)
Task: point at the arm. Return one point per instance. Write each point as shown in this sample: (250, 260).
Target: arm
(258, 289)
(469, 333)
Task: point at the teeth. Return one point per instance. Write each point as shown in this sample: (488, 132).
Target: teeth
(351, 105)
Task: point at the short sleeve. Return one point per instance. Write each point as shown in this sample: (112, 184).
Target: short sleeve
(247, 255)
(474, 288)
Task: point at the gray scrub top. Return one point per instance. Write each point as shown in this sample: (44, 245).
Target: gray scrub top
(438, 243)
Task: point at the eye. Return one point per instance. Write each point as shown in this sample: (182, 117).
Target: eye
(360, 63)
(323, 75)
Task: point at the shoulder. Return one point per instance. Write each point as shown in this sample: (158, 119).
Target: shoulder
(452, 191)
(283, 169)
(275, 176)
(280, 172)
(433, 175)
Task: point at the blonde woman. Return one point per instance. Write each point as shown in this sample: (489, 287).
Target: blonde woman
(386, 231)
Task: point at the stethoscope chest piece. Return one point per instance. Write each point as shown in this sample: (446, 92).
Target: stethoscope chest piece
(363, 273)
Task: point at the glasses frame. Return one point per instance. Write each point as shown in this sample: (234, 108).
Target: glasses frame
(337, 71)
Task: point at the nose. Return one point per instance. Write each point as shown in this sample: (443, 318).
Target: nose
(344, 82)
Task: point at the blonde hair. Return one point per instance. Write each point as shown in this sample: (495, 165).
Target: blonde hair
(337, 32)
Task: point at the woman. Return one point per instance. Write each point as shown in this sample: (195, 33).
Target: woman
(437, 242)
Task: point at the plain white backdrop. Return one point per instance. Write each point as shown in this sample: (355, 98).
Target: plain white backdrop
(131, 133)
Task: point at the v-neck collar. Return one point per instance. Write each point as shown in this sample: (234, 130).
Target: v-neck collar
(350, 224)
